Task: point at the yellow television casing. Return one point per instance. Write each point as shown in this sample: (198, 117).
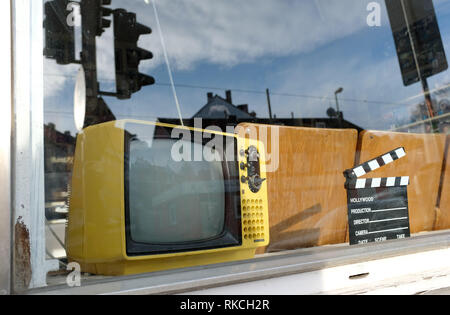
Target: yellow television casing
(95, 235)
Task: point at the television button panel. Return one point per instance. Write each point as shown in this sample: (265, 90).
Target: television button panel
(254, 204)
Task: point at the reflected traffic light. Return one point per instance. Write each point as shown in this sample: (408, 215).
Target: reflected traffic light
(128, 55)
(59, 35)
(101, 13)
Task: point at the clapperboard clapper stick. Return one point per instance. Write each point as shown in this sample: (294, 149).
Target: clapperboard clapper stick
(377, 207)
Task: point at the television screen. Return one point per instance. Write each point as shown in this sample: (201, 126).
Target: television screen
(181, 193)
(172, 201)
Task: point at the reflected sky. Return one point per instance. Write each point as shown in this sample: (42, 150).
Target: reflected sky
(302, 50)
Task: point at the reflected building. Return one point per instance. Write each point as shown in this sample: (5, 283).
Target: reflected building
(223, 108)
(419, 121)
(58, 156)
(221, 112)
(218, 111)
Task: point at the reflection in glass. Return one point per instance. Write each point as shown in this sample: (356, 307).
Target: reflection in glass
(173, 202)
(270, 62)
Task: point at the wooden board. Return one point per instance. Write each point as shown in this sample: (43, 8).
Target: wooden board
(307, 198)
(443, 209)
(423, 163)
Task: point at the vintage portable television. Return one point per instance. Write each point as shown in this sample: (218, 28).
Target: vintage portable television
(148, 196)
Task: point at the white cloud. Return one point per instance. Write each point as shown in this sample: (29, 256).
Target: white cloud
(57, 76)
(235, 31)
(227, 32)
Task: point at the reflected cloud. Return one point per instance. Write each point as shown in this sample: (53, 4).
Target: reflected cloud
(290, 46)
(232, 32)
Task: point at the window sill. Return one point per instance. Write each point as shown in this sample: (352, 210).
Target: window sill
(263, 267)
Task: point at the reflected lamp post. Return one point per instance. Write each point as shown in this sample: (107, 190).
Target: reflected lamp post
(338, 91)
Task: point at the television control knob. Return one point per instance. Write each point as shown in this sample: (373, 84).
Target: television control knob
(243, 165)
(242, 152)
(258, 180)
(244, 179)
(255, 183)
(253, 154)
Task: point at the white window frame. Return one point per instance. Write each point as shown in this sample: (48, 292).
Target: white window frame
(5, 148)
(28, 196)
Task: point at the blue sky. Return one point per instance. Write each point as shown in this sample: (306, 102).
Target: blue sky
(296, 49)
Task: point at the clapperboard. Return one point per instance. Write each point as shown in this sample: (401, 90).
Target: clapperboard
(377, 207)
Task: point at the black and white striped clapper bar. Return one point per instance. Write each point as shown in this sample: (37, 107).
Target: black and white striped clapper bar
(377, 207)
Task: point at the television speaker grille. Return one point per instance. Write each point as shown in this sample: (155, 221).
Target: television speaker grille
(253, 219)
